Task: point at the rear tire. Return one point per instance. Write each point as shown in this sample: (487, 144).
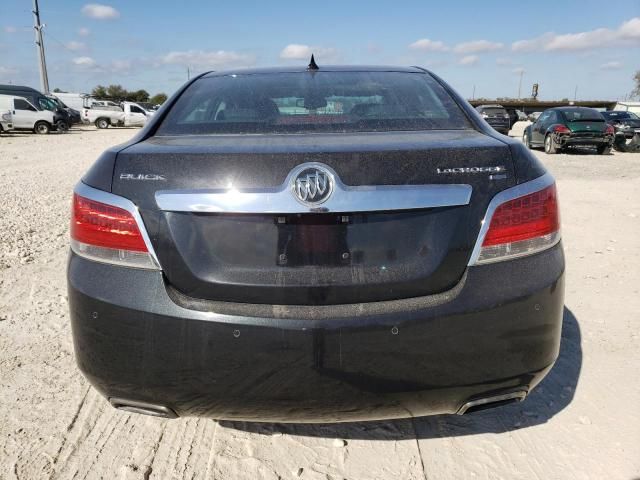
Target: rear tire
(526, 141)
(62, 126)
(42, 128)
(604, 150)
(102, 123)
(550, 147)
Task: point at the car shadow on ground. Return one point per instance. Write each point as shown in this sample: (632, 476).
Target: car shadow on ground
(553, 394)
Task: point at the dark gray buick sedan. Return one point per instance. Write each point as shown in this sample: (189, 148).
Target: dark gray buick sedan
(315, 244)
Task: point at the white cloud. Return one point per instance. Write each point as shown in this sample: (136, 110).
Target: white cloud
(84, 32)
(10, 29)
(468, 60)
(628, 32)
(120, 66)
(100, 12)
(582, 40)
(532, 44)
(84, 61)
(614, 65)
(477, 46)
(295, 51)
(426, 45)
(75, 46)
(204, 59)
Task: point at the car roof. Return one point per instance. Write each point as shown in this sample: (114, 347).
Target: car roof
(572, 107)
(490, 105)
(322, 68)
(18, 88)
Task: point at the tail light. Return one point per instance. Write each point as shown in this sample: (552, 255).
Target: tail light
(609, 130)
(519, 226)
(108, 233)
(561, 129)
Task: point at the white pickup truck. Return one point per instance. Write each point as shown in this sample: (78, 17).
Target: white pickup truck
(130, 115)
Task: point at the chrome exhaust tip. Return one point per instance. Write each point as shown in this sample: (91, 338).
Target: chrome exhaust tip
(143, 408)
(491, 402)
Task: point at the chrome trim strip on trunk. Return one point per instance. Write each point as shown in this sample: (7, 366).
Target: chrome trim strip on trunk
(101, 196)
(512, 193)
(344, 198)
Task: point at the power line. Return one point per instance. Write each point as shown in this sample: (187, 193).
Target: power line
(48, 35)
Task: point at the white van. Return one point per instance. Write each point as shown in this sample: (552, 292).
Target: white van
(6, 120)
(26, 116)
(77, 101)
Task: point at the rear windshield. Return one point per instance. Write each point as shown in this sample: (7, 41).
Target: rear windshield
(583, 115)
(313, 102)
(619, 115)
(494, 111)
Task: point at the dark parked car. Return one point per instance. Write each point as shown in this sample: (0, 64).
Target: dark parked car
(74, 115)
(560, 128)
(306, 245)
(626, 126)
(496, 116)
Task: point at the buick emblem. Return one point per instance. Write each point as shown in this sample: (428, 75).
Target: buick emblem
(312, 185)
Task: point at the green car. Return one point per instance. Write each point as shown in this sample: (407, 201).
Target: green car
(561, 128)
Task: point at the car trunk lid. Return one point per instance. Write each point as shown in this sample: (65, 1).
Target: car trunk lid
(587, 126)
(314, 256)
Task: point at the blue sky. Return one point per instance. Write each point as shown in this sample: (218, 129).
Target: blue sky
(592, 44)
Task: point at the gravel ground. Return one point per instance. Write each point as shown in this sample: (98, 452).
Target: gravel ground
(583, 421)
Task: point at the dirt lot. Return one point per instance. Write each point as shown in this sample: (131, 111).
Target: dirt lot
(583, 421)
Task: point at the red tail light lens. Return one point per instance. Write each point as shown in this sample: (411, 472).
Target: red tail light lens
(609, 130)
(526, 217)
(109, 234)
(561, 129)
(522, 226)
(103, 225)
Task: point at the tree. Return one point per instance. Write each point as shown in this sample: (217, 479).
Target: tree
(158, 99)
(117, 92)
(636, 90)
(138, 96)
(99, 92)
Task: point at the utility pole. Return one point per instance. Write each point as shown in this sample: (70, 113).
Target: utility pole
(520, 84)
(44, 78)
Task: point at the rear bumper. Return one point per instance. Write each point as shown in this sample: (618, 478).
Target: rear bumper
(499, 126)
(570, 141)
(498, 331)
